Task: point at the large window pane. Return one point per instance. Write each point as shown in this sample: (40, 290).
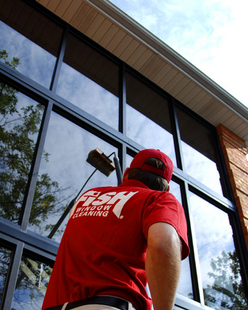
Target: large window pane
(148, 120)
(32, 281)
(20, 119)
(63, 172)
(5, 256)
(219, 264)
(32, 38)
(199, 154)
(90, 81)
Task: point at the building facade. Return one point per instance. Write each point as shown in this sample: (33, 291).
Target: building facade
(76, 75)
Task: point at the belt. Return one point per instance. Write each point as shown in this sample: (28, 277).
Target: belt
(99, 300)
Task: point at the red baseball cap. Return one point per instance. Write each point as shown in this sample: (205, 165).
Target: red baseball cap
(140, 158)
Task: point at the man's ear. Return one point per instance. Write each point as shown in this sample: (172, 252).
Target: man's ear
(125, 175)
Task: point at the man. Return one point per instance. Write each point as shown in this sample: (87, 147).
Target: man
(118, 238)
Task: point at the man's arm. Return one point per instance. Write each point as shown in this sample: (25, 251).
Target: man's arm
(163, 262)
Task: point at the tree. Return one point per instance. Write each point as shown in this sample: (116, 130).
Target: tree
(227, 290)
(19, 127)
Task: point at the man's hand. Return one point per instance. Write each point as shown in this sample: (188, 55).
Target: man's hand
(163, 262)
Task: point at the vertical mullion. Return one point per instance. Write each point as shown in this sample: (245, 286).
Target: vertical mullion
(122, 100)
(24, 217)
(11, 281)
(176, 135)
(57, 68)
(193, 258)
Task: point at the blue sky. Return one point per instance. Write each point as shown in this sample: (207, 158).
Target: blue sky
(211, 34)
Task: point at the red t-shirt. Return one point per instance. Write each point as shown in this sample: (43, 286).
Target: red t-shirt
(103, 248)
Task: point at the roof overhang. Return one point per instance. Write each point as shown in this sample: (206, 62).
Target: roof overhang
(111, 28)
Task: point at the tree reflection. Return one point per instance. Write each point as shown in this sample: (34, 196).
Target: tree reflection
(227, 290)
(19, 127)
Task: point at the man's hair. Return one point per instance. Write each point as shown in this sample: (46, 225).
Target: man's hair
(150, 179)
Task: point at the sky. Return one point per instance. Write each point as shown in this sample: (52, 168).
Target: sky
(210, 34)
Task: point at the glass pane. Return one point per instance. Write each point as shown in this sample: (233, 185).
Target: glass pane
(90, 81)
(20, 119)
(148, 119)
(63, 172)
(32, 281)
(185, 284)
(219, 264)
(198, 151)
(31, 37)
(5, 255)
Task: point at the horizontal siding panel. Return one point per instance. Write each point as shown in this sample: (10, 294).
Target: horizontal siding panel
(80, 15)
(102, 29)
(162, 73)
(143, 59)
(72, 10)
(137, 51)
(173, 82)
(147, 67)
(53, 4)
(128, 53)
(188, 98)
(43, 2)
(185, 91)
(156, 68)
(108, 35)
(169, 76)
(177, 89)
(88, 19)
(119, 36)
(96, 23)
(200, 100)
(123, 45)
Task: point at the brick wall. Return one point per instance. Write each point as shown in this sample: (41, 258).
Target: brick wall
(235, 150)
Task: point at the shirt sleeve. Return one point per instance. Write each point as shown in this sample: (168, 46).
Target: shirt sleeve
(166, 208)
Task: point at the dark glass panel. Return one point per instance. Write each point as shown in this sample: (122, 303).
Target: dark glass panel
(32, 281)
(90, 81)
(20, 119)
(148, 119)
(63, 172)
(219, 264)
(5, 256)
(31, 37)
(198, 151)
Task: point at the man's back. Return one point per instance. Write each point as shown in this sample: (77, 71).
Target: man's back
(103, 249)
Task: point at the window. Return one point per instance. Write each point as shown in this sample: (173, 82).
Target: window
(90, 81)
(148, 119)
(63, 172)
(198, 150)
(5, 257)
(31, 284)
(20, 119)
(31, 37)
(219, 264)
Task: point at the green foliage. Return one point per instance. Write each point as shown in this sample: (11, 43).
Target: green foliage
(19, 127)
(227, 290)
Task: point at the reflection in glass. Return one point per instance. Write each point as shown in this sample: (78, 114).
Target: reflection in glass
(20, 119)
(31, 37)
(90, 81)
(148, 119)
(5, 255)
(35, 62)
(220, 269)
(185, 284)
(198, 151)
(32, 281)
(63, 172)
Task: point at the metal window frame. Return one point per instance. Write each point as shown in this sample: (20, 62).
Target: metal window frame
(41, 246)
